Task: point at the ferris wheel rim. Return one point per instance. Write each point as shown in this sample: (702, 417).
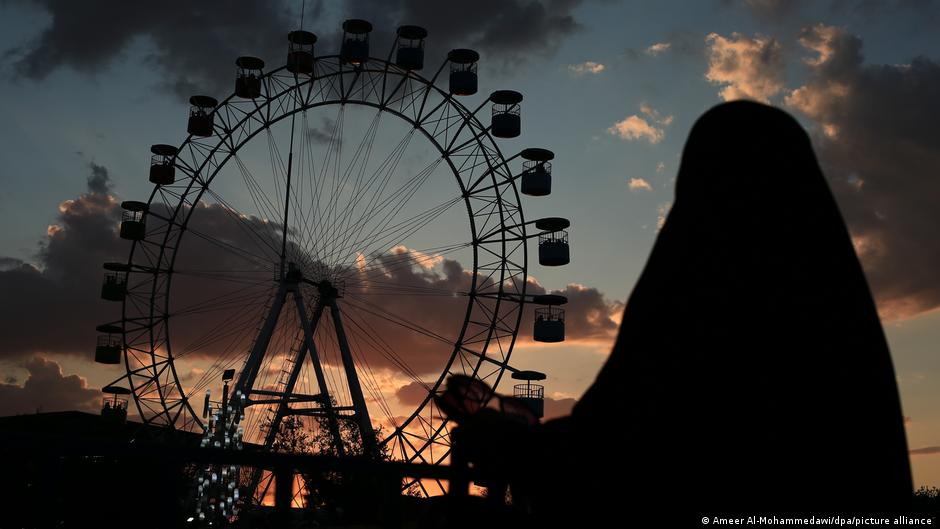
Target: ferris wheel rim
(388, 68)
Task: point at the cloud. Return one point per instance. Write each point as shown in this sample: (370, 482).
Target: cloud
(774, 10)
(662, 211)
(193, 45)
(881, 156)
(654, 114)
(54, 308)
(214, 316)
(99, 182)
(413, 393)
(639, 184)
(678, 45)
(586, 67)
(745, 67)
(783, 11)
(558, 407)
(635, 127)
(506, 32)
(323, 134)
(658, 48)
(47, 389)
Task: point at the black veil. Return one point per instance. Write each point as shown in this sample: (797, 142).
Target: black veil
(751, 369)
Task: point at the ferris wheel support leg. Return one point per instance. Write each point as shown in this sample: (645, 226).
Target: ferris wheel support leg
(355, 390)
(284, 405)
(246, 378)
(318, 370)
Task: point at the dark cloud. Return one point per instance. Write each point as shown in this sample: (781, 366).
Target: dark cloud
(194, 43)
(215, 314)
(47, 389)
(925, 451)
(882, 155)
(506, 32)
(413, 393)
(99, 182)
(324, 133)
(926, 10)
(558, 407)
(773, 9)
(50, 307)
(797, 11)
(9, 263)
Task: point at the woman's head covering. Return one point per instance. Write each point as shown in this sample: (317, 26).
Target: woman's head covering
(751, 367)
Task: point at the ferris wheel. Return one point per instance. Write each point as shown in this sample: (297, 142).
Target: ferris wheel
(336, 230)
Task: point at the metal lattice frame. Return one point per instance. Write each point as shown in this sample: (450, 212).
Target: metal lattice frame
(497, 228)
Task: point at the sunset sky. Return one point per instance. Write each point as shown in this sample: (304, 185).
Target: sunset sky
(611, 87)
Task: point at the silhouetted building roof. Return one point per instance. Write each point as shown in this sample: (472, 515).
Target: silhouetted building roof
(81, 426)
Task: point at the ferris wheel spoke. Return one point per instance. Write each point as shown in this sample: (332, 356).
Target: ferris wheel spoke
(383, 232)
(311, 211)
(333, 230)
(330, 159)
(292, 199)
(228, 300)
(390, 262)
(379, 312)
(358, 165)
(234, 329)
(265, 244)
(379, 288)
(378, 182)
(305, 168)
(402, 196)
(373, 187)
(372, 385)
(232, 249)
(395, 236)
(263, 205)
(383, 347)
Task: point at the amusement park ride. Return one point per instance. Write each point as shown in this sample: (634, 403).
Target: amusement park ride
(292, 309)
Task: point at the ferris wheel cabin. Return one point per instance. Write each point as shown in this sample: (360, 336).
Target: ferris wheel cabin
(114, 407)
(162, 171)
(506, 120)
(114, 287)
(300, 52)
(108, 350)
(410, 53)
(201, 118)
(133, 225)
(248, 77)
(355, 48)
(549, 320)
(463, 71)
(532, 395)
(553, 241)
(537, 172)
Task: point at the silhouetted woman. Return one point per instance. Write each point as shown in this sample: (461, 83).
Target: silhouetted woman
(751, 370)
